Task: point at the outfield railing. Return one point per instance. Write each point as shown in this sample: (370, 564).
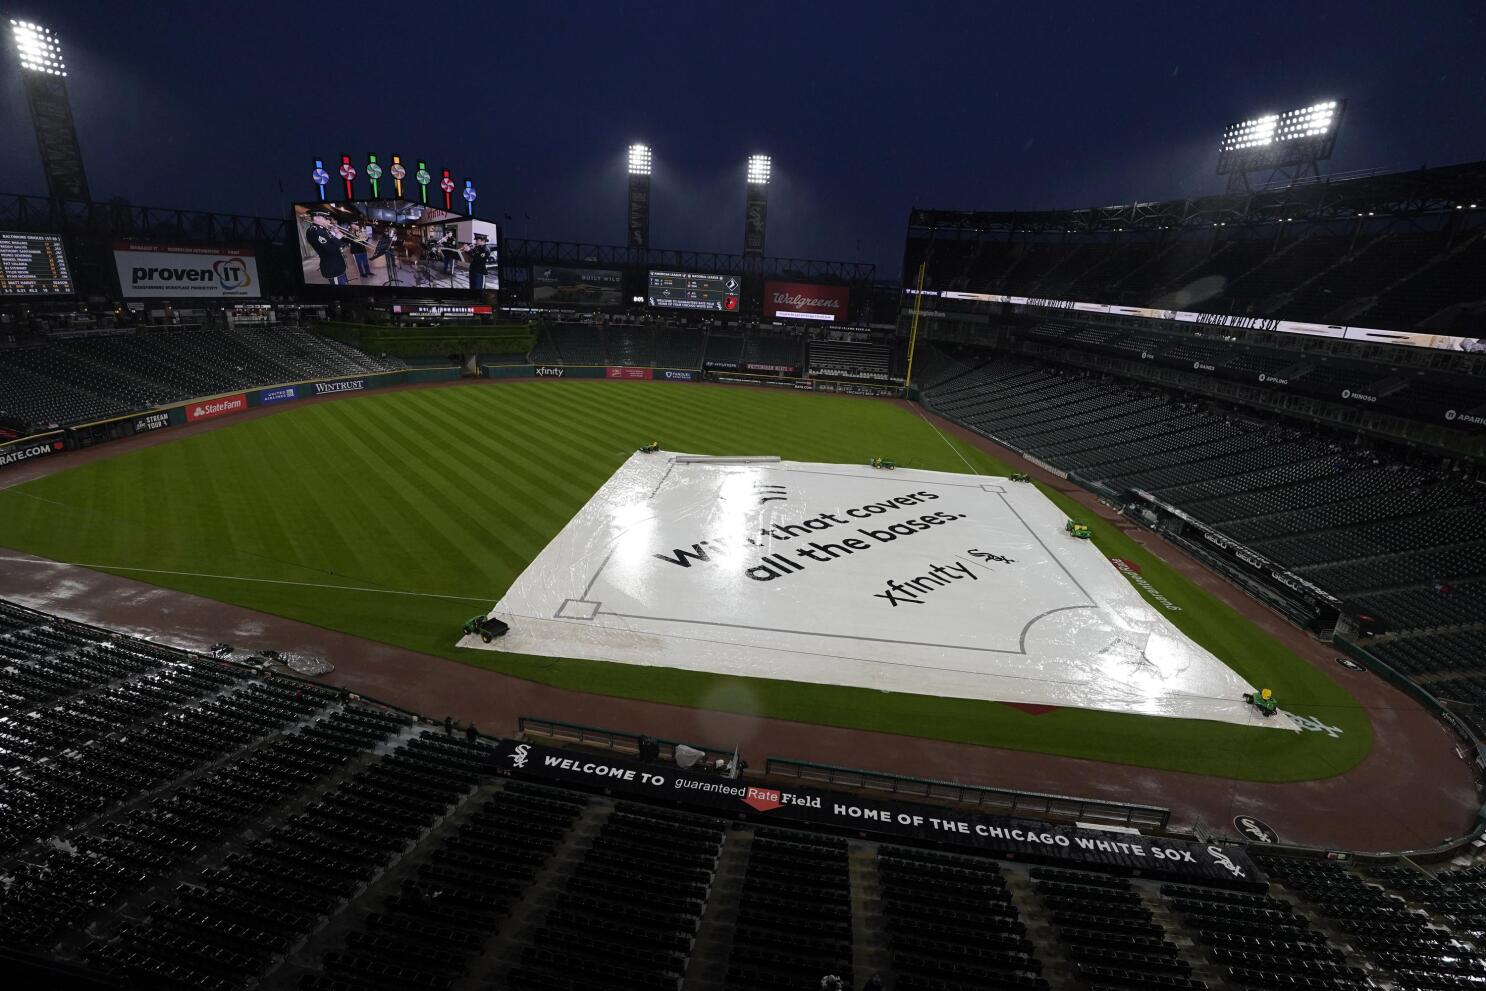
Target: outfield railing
(1000, 801)
(609, 739)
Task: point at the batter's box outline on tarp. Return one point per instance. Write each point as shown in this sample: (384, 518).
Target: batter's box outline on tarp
(584, 609)
(587, 610)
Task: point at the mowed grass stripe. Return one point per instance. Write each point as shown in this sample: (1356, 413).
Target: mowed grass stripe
(447, 521)
(507, 470)
(357, 486)
(395, 538)
(471, 493)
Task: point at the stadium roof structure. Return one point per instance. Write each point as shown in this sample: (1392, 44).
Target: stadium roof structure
(1417, 193)
(42, 214)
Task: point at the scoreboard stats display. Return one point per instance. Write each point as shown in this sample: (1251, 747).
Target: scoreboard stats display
(33, 265)
(685, 291)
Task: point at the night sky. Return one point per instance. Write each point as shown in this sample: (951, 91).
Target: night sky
(868, 108)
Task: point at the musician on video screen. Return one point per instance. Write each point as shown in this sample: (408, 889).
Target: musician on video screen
(325, 238)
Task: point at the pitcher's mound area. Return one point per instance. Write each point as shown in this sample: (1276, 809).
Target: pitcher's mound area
(960, 586)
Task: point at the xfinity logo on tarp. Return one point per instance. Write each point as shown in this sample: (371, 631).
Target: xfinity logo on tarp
(549, 371)
(356, 385)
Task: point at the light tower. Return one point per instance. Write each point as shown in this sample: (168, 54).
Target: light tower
(1289, 145)
(756, 215)
(639, 196)
(45, 75)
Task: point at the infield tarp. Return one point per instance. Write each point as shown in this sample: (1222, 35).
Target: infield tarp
(909, 581)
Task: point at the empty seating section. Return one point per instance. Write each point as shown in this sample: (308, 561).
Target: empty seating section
(431, 930)
(679, 348)
(1385, 280)
(769, 349)
(724, 349)
(629, 912)
(90, 378)
(1407, 948)
(950, 923)
(1397, 540)
(1107, 934)
(849, 357)
(177, 821)
(628, 345)
(569, 344)
(1260, 941)
(794, 921)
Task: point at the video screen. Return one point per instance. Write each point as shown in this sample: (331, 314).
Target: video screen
(33, 265)
(553, 286)
(395, 244)
(684, 291)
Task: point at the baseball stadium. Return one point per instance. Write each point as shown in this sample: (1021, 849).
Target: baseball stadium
(394, 596)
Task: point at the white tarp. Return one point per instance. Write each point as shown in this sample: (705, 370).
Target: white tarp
(908, 581)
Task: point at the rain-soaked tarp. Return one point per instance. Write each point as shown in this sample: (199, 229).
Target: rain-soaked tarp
(902, 580)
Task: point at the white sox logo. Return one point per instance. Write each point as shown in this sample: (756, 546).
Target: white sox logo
(1222, 858)
(518, 757)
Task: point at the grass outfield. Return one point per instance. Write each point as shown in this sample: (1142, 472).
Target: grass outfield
(451, 492)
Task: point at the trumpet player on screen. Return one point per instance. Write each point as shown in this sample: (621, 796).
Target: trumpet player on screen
(325, 238)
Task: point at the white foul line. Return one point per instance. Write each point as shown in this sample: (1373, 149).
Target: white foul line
(945, 439)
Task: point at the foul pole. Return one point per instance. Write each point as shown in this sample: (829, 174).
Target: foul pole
(918, 305)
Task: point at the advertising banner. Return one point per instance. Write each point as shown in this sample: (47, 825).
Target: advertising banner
(556, 286)
(720, 366)
(151, 271)
(676, 374)
(345, 385)
(268, 397)
(32, 447)
(780, 369)
(805, 301)
(151, 422)
(1000, 836)
(210, 408)
(510, 371)
(627, 372)
(1273, 325)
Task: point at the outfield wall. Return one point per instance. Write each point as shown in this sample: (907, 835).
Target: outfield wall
(209, 408)
(663, 374)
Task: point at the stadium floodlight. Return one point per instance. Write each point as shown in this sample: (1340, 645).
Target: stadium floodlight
(44, 78)
(639, 159)
(38, 48)
(760, 167)
(1292, 125)
(1290, 144)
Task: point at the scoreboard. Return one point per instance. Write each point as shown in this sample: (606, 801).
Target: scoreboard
(33, 265)
(684, 291)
